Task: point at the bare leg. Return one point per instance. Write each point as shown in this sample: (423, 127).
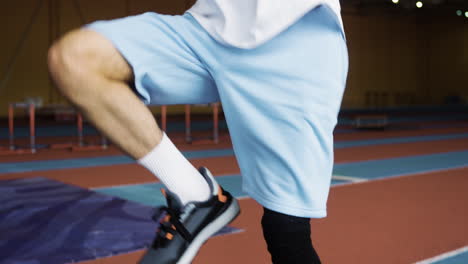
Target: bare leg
(92, 74)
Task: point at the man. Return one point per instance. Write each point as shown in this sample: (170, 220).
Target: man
(278, 67)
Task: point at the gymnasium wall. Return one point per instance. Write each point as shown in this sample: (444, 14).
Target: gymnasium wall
(405, 60)
(29, 76)
(394, 62)
(448, 61)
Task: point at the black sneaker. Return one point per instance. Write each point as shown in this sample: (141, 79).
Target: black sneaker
(184, 229)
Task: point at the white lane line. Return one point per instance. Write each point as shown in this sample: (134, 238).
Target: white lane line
(348, 178)
(444, 256)
(400, 176)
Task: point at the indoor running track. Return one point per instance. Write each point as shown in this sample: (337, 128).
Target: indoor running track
(398, 196)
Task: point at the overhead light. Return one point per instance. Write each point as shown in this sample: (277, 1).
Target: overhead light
(419, 4)
(395, 1)
(466, 14)
(459, 13)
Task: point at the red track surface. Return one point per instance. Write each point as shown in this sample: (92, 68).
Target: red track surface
(398, 220)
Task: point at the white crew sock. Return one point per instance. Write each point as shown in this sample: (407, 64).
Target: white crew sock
(176, 172)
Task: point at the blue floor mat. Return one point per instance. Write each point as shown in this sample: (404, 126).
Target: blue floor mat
(46, 221)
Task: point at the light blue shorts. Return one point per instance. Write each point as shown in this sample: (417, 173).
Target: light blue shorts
(280, 99)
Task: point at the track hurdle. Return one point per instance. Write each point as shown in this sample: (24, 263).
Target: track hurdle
(82, 144)
(371, 121)
(12, 148)
(188, 127)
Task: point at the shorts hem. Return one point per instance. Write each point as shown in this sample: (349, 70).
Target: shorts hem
(280, 207)
(119, 45)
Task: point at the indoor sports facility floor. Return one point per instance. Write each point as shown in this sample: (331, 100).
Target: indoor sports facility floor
(398, 195)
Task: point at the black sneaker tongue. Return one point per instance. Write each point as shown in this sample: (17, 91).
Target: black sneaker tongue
(173, 201)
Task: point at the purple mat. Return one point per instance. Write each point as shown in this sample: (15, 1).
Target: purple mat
(46, 221)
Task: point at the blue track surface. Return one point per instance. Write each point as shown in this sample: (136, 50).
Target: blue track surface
(369, 142)
(15, 167)
(407, 119)
(458, 259)
(116, 160)
(377, 169)
(402, 166)
(149, 194)
(370, 170)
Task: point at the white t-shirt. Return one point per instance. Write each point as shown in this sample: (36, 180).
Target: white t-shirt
(249, 23)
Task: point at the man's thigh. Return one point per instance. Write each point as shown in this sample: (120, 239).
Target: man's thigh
(165, 69)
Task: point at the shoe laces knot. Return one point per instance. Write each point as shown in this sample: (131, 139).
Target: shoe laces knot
(169, 226)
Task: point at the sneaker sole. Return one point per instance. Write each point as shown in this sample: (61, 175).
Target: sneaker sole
(227, 217)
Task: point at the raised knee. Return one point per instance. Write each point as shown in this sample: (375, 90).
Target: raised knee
(84, 55)
(73, 60)
(72, 52)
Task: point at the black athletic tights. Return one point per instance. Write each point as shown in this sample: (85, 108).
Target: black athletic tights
(288, 238)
